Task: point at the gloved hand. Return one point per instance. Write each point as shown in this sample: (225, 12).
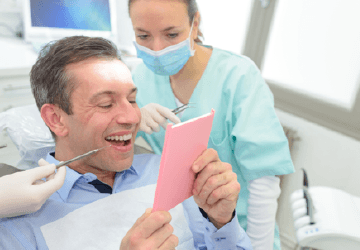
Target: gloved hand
(24, 192)
(153, 115)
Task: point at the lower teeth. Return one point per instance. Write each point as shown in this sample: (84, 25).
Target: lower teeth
(123, 143)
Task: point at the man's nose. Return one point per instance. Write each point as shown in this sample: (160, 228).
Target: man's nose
(127, 114)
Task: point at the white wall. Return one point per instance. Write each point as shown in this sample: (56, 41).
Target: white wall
(329, 158)
(224, 25)
(126, 34)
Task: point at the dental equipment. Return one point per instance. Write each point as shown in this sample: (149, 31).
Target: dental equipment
(182, 108)
(308, 199)
(63, 163)
(3, 146)
(326, 218)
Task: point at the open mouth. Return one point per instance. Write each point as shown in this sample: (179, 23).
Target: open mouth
(123, 140)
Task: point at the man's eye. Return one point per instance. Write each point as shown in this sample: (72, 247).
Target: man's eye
(132, 102)
(106, 106)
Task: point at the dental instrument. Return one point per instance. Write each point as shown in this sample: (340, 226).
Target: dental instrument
(182, 108)
(3, 146)
(308, 199)
(63, 163)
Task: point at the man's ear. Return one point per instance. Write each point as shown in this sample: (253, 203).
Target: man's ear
(54, 118)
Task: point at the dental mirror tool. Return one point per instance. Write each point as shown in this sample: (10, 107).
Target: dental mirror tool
(63, 163)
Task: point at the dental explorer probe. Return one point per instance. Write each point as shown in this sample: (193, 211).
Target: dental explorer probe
(63, 163)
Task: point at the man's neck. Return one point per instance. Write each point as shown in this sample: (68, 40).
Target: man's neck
(80, 166)
(107, 177)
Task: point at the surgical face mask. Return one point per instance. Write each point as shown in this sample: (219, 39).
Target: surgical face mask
(168, 61)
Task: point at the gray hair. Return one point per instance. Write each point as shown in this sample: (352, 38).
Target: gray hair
(48, 78)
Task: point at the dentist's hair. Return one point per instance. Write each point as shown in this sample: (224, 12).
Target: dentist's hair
(192, 9)
(49, 81)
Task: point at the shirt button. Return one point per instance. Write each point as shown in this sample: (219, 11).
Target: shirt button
(88, 178)
(207, 229)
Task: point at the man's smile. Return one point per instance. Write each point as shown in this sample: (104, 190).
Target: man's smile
(121, 141)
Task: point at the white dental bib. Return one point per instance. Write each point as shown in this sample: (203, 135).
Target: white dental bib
(103, 223)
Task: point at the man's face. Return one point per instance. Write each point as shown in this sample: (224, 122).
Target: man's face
(104, 113)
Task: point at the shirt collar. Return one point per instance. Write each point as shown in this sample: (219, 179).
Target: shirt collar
(72, 176)
(132, 170)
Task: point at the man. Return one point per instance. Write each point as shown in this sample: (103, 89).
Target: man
(87, 98)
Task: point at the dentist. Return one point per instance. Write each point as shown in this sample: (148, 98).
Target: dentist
(177, 69)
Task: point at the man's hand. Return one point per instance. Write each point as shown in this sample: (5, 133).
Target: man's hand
(216, 188)
(151, 231)
(24, 192)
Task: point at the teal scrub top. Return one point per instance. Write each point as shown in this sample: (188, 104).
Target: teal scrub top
(246, 131)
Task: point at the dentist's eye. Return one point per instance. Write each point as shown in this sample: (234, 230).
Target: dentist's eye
(132, 102)
(173, 35)
(142, 37)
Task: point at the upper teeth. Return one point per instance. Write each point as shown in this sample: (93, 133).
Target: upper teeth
(119, 138)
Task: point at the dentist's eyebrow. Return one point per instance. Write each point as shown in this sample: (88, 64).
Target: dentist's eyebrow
(170, 28)
(164, 30)
(140, 29)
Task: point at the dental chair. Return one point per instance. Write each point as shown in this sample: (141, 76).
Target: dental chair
(7, 169)
(32, 137)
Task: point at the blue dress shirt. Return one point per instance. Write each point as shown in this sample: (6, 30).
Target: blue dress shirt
(23, 232)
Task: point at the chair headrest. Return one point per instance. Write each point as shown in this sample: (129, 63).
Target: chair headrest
(28, 132)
